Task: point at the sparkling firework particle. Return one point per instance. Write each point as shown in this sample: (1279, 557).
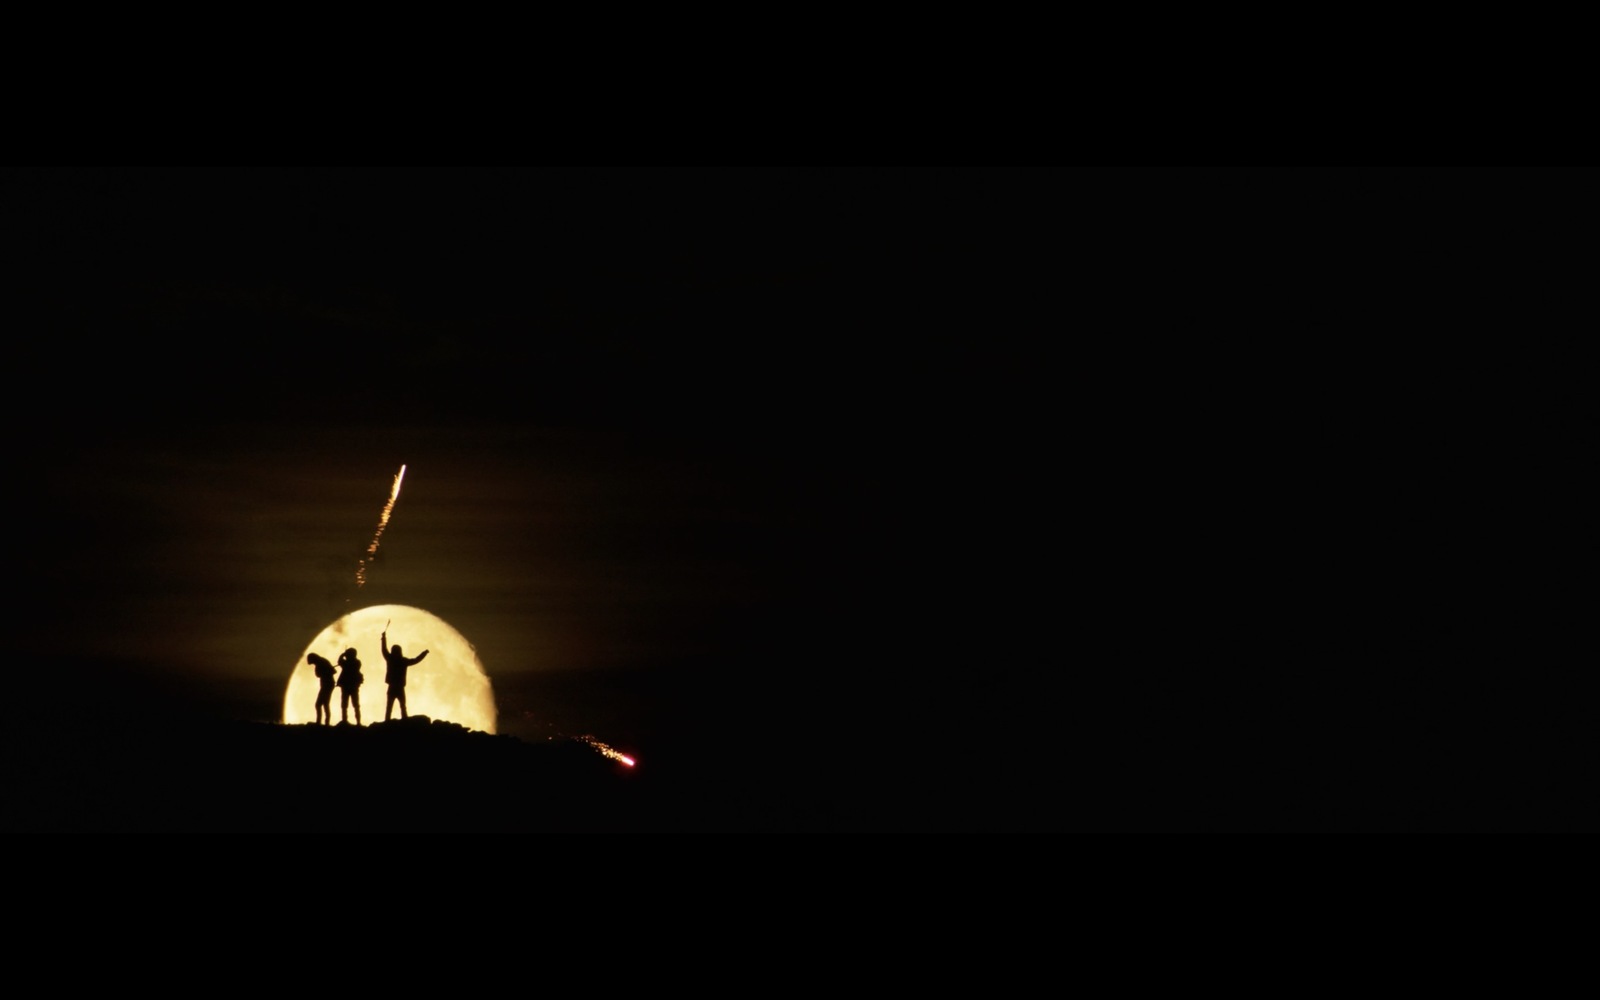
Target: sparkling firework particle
(383, 522)
(607, 751)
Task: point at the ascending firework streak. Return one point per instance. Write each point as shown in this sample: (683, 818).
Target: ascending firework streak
(383, 522)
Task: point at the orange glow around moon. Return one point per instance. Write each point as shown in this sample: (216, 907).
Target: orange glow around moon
(449, 685)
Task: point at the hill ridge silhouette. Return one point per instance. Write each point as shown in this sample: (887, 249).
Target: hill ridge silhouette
(160, 772)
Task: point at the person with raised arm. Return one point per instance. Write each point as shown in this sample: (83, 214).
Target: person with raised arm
(395, 675)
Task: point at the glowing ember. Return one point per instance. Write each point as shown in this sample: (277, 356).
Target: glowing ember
(607, 751)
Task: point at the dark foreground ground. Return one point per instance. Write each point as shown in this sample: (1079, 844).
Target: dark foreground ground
(1252, 759)
(115, 752)
(413, 776)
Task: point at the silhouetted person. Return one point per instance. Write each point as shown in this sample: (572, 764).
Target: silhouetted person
(324, 671)
(349, 684)
(395, 676)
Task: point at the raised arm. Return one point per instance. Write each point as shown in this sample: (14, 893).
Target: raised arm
(418, 658)
(383, 641)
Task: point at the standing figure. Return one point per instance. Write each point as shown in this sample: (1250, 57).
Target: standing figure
(395, 676)
(324, 671)
(349, 684)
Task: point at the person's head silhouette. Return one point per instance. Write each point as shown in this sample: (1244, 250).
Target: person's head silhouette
(351, 652)
(397, 649)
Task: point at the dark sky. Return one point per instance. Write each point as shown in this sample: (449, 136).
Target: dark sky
(937, 454)
(592, 376)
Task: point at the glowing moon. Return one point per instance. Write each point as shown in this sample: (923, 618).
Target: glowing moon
(449, 685)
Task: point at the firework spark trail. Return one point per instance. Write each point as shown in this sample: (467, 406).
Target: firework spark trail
(383, 522)
(607, 751)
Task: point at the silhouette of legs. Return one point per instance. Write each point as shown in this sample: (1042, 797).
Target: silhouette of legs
(395, 694)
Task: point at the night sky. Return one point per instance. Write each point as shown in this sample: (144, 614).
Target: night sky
(1012, 499)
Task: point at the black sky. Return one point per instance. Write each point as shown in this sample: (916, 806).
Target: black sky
(1065, 481)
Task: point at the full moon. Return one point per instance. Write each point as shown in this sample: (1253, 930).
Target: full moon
(449, 684)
